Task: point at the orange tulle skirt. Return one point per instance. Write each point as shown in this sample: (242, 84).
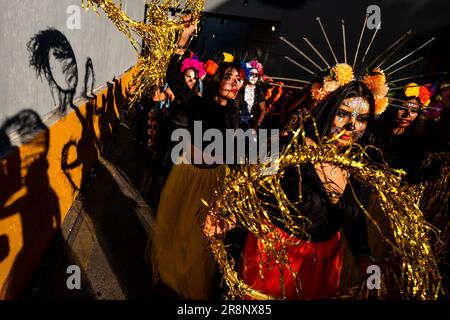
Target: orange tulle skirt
(315, 268)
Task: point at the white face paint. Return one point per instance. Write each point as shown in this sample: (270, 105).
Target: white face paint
(351, 120)
(254, 76)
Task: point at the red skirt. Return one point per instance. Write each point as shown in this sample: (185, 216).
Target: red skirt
(317, 266)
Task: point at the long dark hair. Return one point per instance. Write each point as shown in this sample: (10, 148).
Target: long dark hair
(212, 83)
(326, 111)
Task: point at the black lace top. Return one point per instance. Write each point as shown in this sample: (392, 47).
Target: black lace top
(325, 218)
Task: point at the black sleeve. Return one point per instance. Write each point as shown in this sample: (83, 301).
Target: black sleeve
(176, 82)
(355, 228)
(173, 73)
(290, 185)
(261, 95)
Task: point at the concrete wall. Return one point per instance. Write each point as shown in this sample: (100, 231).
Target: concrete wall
(44, 155)
(97, 38)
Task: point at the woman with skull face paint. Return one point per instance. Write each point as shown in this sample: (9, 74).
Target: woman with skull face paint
(405, 142)
(347, 114)
(179, 254)
(251, 99)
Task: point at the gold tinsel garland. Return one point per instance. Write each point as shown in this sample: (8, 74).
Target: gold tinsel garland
(160, 36)
(413, 271)
(432, 198)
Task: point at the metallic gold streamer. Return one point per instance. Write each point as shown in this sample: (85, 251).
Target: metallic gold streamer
(160, 36)
(433, 196)
(412, 270)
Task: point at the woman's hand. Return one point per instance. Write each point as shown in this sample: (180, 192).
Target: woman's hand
(214, 226)
(190, 25)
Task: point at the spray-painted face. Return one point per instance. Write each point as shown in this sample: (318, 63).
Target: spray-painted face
(351, 120)
(254, 76)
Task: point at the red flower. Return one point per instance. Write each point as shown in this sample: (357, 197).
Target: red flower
(424, 95)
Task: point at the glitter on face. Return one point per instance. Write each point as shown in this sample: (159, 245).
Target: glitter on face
(358, 104)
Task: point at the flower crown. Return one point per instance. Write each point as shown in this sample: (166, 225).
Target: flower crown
(342, 74)
(193, 62)
(374, 74)
(422, 93)
(212, 65)
(253, 64)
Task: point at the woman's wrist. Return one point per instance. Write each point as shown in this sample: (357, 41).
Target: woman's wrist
(182, 45)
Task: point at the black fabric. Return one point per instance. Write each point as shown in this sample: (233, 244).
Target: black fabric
(243, 106)
(212, 116)
(408, 151)
(180, 89)
(324, 218)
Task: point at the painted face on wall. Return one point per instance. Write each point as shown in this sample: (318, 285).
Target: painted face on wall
(190, 78)
(254, 76)
(230, 84)
(351, 120)
(63, 67)
(406, 116)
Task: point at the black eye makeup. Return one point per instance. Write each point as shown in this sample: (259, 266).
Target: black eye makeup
(363, 118)
(344, 114)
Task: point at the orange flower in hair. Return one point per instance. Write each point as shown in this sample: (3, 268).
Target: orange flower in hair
(413, 90)
(211, 67)
(381, 105)
(424, 96)
(376, 81)
(318, 92)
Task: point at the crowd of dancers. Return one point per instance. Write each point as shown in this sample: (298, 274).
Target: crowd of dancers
(328, 242)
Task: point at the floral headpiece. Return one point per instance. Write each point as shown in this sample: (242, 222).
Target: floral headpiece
(342, 74)
(374, 74)
(253, 64)
(212, 65)
(193, 62)
(422, 93)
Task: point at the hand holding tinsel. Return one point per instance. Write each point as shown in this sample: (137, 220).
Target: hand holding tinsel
(216, 226)
(160, 36)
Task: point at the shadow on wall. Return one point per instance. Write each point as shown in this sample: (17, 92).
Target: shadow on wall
(41, 177)
(51, 55)
(99, 112)
(37, 206)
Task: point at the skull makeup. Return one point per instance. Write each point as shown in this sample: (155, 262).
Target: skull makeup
(254, 76)
(350, 120)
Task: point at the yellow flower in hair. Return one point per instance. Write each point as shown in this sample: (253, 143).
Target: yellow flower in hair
(343, 73)
(412, 90)
(227, 57)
